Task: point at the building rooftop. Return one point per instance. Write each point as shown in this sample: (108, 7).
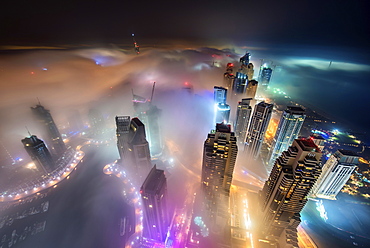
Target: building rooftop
(295, 110)
(348, 152)
(224, 128)
(153, 182)
(307, 145)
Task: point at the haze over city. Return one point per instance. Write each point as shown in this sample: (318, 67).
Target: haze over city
(80, 58)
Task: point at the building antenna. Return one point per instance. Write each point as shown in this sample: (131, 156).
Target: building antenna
(28, 131)
(38, 100)
(151, 98)
(137, 48)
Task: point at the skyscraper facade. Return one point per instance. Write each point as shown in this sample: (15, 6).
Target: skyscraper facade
(257, 128)
(219, 156)
(229, 76)
(52, 135)
(245, 59)
(240, 83)
(154, 197)
(39, 153)
(122, 131)
(251, 89)
(290, 125)
(335, 173)
(285, 192)
(222, 113)
(243, 114)
(264, 76)
(219, 94)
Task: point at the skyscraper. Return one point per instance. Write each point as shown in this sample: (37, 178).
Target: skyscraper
(219, 156)
(154, 197)
(149, 114)
(335, 173)
(219, 94)
(290, 125)
(251, 89)
(318, 140)
(222, 112)
(240, 83)
(228, 75)
(245, 59)
(284, 193)
(257, 128)
(122, 131)
(243, 114)
(39, 153)
(51, 131)
(264, 76)
(138, 148)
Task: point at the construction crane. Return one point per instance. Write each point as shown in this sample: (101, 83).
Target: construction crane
(137, 48)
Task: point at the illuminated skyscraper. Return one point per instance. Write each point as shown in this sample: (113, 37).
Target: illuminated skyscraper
(222, 113)
(264, 76)
(219, 156)
(285, 192)
(219, 94)
(39, 153)
(257, 128)
(251, 89)
(240, 83)
(335, 173)
(290, 125)
(51, 131)
(243, 114)
(154, 197)
(122, 131)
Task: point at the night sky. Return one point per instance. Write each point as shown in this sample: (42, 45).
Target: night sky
(315, 23)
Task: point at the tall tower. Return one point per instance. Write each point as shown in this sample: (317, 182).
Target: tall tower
(222, 113)
(39, 153)
(245, 59)
(284, 193)
(290, 125)
(240, 83)
(122, 131)
(251, 89)
(53, 136)
(257, 128)
(243, 114)
(335, 173)
(265, 76)
(219, 94)
(138, 148)
(154, 197)
(219, 156)
(228, 75)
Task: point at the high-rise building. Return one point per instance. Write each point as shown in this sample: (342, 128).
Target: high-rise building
(222, 113)
(245, 59)
(219, 94)
(240, 83)
(251, 89)
(265, 76)
(290, 125)
(51, 132)
(243, 114)
(229, 76)
(335, 173)
(257, 128)
(154, 197)
(122, 131)
(285, 192)
(39, 153)
(149, 114)
(138, 148)
(219, 156)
